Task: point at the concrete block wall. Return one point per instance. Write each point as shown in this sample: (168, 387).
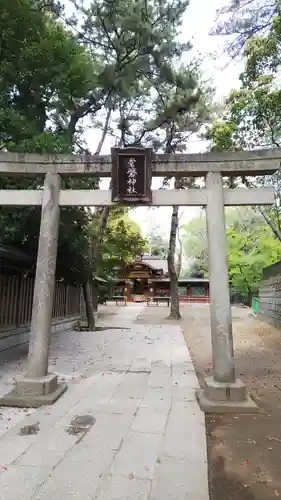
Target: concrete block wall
(270, 295)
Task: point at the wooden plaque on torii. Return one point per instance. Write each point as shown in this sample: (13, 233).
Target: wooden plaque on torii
(131, 175)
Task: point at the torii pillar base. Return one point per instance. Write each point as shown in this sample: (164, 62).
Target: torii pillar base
(225, 397)
(33, 393)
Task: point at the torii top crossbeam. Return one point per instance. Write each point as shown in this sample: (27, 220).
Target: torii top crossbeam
(252, 163)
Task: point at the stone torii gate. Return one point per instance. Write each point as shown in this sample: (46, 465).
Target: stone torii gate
(223, 391)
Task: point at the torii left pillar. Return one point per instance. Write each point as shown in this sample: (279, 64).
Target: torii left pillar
(37, 387)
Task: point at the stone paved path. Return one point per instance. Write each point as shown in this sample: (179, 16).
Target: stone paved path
(129, 429)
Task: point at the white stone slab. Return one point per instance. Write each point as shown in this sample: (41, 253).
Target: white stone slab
(18, 483)
(137, 456)
(48, 450)
(134, 385)
(180, 480)
(150, 420)
(73, 480)
(14, 447)
(123, 488)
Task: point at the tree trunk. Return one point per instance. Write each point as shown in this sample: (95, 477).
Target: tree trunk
(91, 293)
(174, 289)
(104, 132)
(89, 305)
(95, 297)
(105, 212)
(179, 256)
(271, 224)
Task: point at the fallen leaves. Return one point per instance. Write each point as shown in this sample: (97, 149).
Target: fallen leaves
(272, 438)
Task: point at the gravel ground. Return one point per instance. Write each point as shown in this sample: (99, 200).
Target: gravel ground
(70, 355)
(244, 451)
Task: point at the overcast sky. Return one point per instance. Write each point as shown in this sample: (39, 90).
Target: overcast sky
(198, 21)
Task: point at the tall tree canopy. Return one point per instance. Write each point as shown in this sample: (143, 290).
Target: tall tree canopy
(44, 75)
(240, 20)
(251, 117)
(119, 63)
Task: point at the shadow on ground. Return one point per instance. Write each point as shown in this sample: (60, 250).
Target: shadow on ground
(224, 483)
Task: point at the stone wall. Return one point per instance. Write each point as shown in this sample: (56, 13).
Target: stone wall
(270, 295)
(21, 335)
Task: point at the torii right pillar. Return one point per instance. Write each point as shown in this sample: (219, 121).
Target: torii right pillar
(222, 392)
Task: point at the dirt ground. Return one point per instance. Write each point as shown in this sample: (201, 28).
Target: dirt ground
(244, 451)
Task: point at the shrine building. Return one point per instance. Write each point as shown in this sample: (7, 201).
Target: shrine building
(148, 277)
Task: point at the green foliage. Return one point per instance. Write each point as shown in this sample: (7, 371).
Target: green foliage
(122, 242)
(250, 250)
(195, 269)
(43, 72)
(252, 115)
(135, 39)
(251, 247)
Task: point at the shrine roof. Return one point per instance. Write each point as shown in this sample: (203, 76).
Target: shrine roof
(155, 262)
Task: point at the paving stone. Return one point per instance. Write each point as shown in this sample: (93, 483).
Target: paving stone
(48, 450)
(122, 488)
(134, 385)
(109, 430)
(100, 366)
(95, 450)
(123, 405)
(150, 421)
(157, 397)
(20, 483)
(184, 435)
(13, 447)
(183, 394)
(73, 480)
(99, 394)
(181, 368)
(137, 456)
(141, 364)
(188, 379)
(189, 413)
(157, 381)
(180, 480)
(190, 445)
